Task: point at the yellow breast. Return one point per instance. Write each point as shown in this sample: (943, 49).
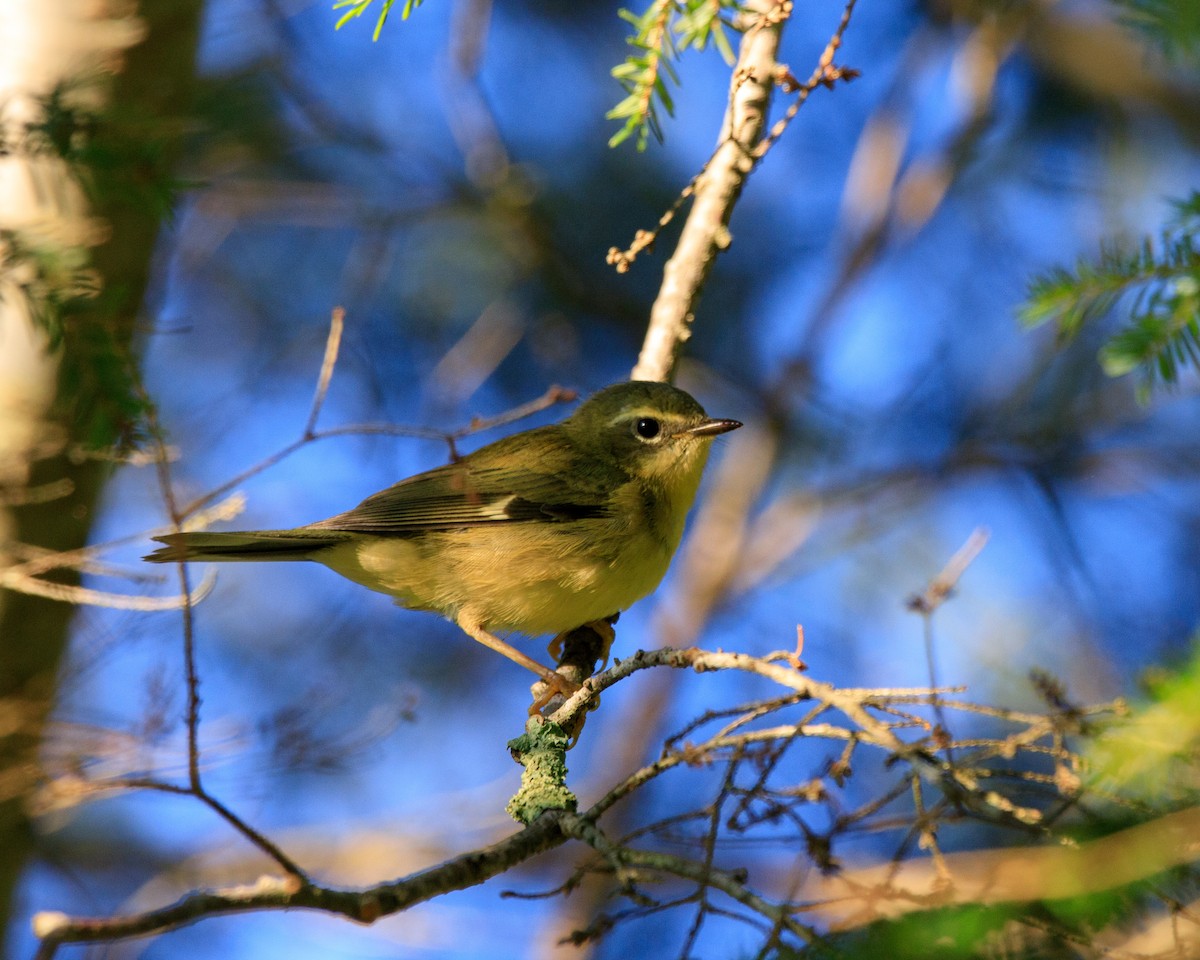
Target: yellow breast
(534, 577)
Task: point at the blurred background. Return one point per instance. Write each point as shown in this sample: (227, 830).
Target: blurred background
(450, 186)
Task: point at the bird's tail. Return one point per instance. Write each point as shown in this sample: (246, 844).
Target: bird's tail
(296, 544)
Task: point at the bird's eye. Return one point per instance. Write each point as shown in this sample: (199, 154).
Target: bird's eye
(647, 428)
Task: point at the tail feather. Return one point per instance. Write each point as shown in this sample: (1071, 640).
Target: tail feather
(296, 544)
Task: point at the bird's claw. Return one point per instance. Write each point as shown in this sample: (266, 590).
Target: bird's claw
(551, 685)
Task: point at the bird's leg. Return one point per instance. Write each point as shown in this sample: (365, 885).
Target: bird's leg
(602, 628)
(578, 653)
(556, 681)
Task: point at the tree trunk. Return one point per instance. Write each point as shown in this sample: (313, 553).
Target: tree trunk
(50, 401)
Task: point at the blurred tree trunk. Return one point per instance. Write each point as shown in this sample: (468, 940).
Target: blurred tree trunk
(52, 401)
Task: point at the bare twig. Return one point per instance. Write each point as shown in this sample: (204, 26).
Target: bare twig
(582, 827)
(825, 74)
(552, 396)
(14, 579)
(710, 849)
(192, 712)
(337, 322)
(935, 594)
(941, 586)
(41, 493)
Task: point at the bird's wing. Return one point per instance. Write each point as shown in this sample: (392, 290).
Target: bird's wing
(483, 488)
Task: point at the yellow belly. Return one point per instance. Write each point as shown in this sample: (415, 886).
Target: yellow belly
(523, 578)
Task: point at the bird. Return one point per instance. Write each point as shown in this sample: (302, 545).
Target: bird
(538, 533)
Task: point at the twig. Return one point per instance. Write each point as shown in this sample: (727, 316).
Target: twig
(935, 594)
(192, 710)
(767, 767)
(582, 827)
(552, 396)
(852, 704)
(42, 493)
(824, 75)
(710, 849)
(13, 579)
(337, 322)
(941, 586)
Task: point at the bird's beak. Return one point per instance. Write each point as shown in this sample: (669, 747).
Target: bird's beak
(710, 428)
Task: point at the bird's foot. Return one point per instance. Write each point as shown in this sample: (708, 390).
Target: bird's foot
(603, 629)
(549, 689)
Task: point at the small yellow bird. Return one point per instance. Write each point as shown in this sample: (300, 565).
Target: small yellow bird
(538, 533)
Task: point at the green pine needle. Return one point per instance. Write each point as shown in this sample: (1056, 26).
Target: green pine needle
(1155, 284)
(1173, 25)
(660, 35)
(356, 8)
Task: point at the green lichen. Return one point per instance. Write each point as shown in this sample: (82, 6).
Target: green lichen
(542, 751)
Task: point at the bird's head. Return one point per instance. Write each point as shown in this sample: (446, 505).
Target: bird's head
(652, 431)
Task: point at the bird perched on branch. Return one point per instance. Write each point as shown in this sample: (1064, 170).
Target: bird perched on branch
(538, 533)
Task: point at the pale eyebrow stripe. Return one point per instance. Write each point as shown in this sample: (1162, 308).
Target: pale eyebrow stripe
(626, 416)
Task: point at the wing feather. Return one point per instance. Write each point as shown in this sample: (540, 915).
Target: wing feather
(488, 487)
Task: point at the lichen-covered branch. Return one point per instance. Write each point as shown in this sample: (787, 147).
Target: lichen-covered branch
(974, 777)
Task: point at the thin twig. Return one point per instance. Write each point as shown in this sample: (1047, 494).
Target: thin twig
(13, 579)
(337, 322)
(710, 848)
(584, 828)
(552, 396)
(192, 675)
(934, 595)
(942, 586)
(825, 74)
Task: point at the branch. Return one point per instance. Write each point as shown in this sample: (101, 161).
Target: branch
(860, 895)
(14, 579)
(851, 702)
(717, 187)
(363, 906)
(731, 884)
(706, 231)
(881, 719)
